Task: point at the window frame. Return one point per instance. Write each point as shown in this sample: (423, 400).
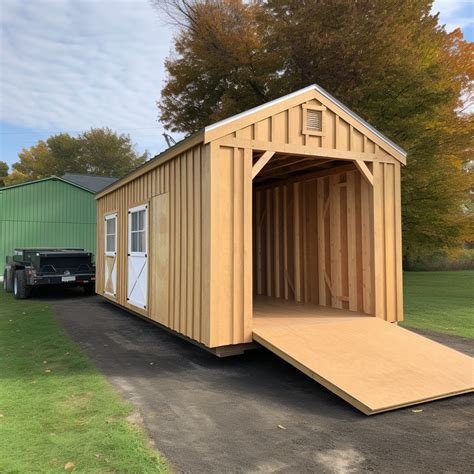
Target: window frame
(132, 210)
(108, 217)
(319, 108)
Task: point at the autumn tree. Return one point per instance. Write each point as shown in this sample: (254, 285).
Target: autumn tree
(3, 173)
(389, 60)
(220, 66)
(99, 151)
(104, 153)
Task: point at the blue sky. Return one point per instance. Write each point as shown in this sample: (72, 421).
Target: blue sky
(68, 65)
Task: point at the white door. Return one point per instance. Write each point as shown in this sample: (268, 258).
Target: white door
(110, 257)
(137, 288)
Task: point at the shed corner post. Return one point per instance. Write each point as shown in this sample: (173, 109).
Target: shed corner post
(378, 276)
(388, 278)
(206, 257)
(247, 245)
(228, 202)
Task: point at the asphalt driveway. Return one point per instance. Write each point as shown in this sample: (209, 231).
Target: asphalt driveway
(255, 413)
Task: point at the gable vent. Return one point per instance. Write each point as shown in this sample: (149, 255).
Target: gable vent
(314, 120)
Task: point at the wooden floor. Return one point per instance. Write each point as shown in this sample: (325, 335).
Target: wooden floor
(374, 365)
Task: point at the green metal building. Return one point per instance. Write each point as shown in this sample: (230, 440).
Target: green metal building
(50, 212)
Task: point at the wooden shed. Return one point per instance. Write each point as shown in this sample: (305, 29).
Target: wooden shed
(280, 225)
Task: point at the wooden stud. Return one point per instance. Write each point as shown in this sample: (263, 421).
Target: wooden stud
(268, 248)
(296, 241)
(335, 232)
(258, 252)
(321, 241)
(285, 240)
(276, 241)
(351, 241)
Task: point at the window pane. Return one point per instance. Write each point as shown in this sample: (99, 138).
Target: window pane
(142, 243)
(110, 226)
(141, 220)
(133, 243)
(110, 243)
(134, 221)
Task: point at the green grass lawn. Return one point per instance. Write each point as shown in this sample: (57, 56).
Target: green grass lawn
(55, 408)
(440, 301)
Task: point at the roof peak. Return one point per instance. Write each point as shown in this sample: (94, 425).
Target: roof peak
(304, 90)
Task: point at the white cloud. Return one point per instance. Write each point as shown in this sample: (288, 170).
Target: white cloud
(70, 65)
(455, 13)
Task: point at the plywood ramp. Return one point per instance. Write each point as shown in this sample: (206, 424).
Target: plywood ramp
(374, 365)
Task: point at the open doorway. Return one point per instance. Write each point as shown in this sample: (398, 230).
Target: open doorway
(312, 233)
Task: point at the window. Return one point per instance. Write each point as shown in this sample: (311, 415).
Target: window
(138, 230)
(110, 234)
(313, 119)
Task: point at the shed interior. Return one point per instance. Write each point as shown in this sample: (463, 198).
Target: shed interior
(312, 233)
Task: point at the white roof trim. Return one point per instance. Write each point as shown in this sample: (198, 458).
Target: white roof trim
(302, 91)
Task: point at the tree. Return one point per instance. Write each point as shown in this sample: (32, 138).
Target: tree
(104, 153)
(98, 151)
(3, 173)
(388, 60)
(220, 67)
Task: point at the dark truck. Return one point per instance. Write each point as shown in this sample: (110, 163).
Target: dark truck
(31, 267)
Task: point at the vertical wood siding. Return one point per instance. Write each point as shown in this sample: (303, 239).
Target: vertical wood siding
(314, 242)
(387, 245)
(181, 179)
(332, 240)
(315, 232)
(231, 246)
(286, 127)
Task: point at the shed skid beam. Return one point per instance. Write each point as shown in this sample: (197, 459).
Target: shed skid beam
(262, 161)
(366, 174)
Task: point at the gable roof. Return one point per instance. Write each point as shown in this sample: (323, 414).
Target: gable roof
(90, 182)
(314, 87)
(213, 132)
(50, 178)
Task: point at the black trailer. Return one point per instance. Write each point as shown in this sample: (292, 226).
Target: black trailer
(32, 267)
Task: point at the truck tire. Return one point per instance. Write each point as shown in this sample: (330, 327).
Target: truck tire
(8, 280)
(21, 290)
(89, 289)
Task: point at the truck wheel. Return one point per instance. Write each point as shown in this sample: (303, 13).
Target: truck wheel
(21, 290)
(7, 280)
(89, 289)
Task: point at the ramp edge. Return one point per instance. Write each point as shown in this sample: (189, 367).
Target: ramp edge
(321, 380)
(344, 395)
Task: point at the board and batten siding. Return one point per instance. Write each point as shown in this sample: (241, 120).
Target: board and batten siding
(388, 241)
(210, 291)
(185, 179)
(314, 242)
(283, 131)
(230, 235)
(216, 237)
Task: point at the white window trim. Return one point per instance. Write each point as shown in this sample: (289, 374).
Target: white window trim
(106, 218)
(130, 211)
